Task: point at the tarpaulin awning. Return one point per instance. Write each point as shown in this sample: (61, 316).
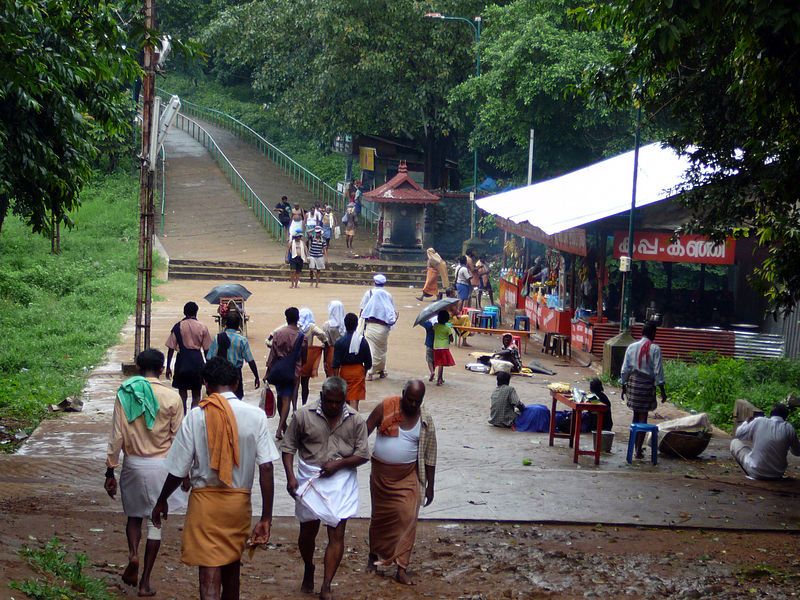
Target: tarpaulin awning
(592, 193)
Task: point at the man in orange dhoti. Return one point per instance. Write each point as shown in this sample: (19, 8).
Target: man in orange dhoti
(403, 465)
(218, 447)
(352, 359)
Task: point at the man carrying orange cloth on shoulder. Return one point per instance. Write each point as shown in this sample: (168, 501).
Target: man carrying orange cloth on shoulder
(218, 447)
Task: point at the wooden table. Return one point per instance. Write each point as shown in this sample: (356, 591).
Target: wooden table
(575, 427)
(522, 333)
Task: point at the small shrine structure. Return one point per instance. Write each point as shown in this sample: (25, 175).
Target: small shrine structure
(401, 234)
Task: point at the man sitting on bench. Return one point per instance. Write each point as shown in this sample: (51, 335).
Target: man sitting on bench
(762, 444)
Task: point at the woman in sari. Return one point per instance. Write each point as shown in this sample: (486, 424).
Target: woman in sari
(435, 269)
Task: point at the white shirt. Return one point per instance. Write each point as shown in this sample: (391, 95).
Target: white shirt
(377, 303)
(462, 275)
(400, 450)
(772, 438)
(189, 452)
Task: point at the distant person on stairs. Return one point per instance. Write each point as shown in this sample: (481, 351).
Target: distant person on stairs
(350, 221)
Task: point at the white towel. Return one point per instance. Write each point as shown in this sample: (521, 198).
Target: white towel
(327, 499)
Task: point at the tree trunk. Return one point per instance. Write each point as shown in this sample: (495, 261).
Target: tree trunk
(4, 204)
(436, 147)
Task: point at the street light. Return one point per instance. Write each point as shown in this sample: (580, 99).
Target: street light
(475, 23)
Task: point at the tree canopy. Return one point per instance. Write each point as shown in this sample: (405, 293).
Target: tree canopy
(722, 74)
(65, 73)
(535, 55)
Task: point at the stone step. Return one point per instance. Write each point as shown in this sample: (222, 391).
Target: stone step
(334, 274)
(369, 267)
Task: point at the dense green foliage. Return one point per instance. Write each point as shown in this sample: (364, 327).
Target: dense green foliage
(534, 56)
(721, 72)
(239, 101)
(351, 66)
(713, 384)
(62, 576)
(59, 314)
(65, 76)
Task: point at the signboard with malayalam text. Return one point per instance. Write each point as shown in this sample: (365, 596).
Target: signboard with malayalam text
(657, 246)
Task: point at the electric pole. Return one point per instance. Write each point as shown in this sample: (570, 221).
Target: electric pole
(144, 284)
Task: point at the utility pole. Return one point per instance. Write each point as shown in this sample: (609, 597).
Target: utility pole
(144, 283)
(530, 160)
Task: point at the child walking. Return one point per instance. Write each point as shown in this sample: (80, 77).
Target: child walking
(428, 326)
(442, 336)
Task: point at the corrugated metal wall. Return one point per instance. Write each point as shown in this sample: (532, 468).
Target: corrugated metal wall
(789, 328)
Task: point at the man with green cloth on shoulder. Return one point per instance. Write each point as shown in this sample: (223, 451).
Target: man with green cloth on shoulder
(147, 416)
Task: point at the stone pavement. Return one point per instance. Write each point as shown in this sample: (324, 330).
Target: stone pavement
(270, 183)
(205, 218)
(480, 473)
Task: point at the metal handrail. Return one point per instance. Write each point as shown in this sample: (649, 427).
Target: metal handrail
(163, 186)
(256, 204)
(299, 174)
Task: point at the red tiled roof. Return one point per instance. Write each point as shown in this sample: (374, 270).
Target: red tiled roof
(401, 188)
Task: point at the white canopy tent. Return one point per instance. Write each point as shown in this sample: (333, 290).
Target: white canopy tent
(592, 193)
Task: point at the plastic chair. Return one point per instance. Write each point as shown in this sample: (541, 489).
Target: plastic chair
(522, 323)
(518, 341)
(486, 321)
(645, 428)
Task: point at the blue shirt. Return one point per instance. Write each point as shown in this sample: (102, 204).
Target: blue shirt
(428, 333)
(239, 352)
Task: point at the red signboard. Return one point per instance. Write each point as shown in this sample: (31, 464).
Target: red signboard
(656, 245)
(582, 336)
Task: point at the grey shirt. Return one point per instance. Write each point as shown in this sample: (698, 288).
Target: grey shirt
(772, 438)
(506, 406)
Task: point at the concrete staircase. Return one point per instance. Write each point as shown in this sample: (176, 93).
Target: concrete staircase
(343, 272)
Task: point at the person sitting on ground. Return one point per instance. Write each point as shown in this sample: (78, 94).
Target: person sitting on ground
(596, 387)
(506, 404)
(509, 353)
(761, 444)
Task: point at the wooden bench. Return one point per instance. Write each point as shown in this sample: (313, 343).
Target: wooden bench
(524, 335)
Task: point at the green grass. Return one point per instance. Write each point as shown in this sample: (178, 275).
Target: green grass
(713, 384)
(59, 314)
(62, 576)
(241, 102)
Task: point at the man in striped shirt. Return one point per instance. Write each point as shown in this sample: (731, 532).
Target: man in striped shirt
(317, 254)
(234, 347)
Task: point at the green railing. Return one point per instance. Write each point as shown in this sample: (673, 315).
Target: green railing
(261, 211)
(163, 186)
(319, 189)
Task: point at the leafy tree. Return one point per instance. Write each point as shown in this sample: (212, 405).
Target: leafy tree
(64, 68)
(534, 55)
(353, 65)
(723, 73)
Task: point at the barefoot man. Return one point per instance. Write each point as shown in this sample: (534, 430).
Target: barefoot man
(147, 415)
(218, 447)
(330, 439)
(403, 466)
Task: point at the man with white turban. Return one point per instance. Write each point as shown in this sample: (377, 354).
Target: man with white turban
(379, 314)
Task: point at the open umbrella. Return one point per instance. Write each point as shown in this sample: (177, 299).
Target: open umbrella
(226, 290)
(433, 308)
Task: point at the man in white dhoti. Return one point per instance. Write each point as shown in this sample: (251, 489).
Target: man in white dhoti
(379, 314)
(330, 439)
(147, 415)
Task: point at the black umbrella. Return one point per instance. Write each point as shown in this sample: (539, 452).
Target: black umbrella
(227, 290)
(433, 308)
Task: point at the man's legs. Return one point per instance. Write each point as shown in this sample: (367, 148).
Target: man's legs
(304, 381)
(133, 531)
(333, 557)
(230, 581)
(150, 553)
(197, 395)
(311, 276)
(639, 416)
(183, 393)
(283, 411)
(740, 451)
(306, 542)
(210, 582)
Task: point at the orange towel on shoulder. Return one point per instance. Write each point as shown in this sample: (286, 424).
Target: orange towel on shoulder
(223, 436)
(392, 417)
